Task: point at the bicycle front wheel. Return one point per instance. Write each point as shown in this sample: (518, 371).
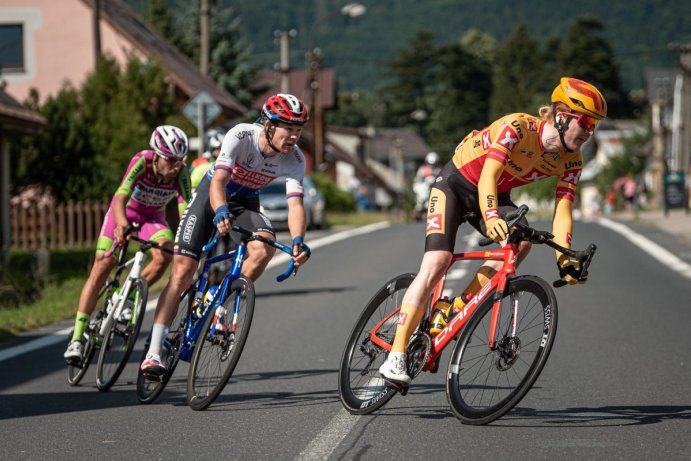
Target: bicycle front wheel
(484, 383)
(75, 373)
(149, 390)
(360, 386)
(217, 353)
(120, 338)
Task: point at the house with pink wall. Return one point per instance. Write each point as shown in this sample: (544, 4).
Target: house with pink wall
(45, 44)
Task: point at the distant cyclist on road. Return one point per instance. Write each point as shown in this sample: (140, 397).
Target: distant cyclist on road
(202, 164)
(424, 178)
(153, 178)
(252, 155)
(475, 187)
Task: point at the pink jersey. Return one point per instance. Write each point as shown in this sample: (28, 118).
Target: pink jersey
(147, 193)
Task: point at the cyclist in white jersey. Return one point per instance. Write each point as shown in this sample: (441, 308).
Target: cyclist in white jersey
(252, 155)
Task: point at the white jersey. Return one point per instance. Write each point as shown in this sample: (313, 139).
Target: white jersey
(251, 170)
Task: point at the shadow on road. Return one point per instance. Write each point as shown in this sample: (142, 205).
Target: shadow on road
(304, 291)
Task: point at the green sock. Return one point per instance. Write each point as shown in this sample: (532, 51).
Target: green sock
(80, 325)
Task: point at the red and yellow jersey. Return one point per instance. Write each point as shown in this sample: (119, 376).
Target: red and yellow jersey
(514, 141)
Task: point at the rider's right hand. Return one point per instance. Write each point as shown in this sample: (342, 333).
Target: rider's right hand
(223, 219)
(497, 229)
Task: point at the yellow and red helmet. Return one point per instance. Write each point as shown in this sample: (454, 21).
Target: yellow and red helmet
(581, 97)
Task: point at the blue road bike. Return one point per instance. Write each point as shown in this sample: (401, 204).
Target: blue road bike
(213, 353)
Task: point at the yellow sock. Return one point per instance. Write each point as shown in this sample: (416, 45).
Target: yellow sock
(80, 324)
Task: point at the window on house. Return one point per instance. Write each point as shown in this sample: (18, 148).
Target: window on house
(11, 46)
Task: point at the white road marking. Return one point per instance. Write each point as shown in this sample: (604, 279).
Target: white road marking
(653, 249)
(329, 438)
(61, 335)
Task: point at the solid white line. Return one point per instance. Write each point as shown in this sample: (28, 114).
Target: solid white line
(653, 249)
(60, 336)
(329, 438)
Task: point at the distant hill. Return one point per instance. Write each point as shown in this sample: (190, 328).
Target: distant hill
(638, 30)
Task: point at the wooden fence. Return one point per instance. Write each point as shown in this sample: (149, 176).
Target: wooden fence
(65, 225)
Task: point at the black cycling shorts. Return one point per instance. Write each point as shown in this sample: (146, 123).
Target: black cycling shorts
(453, 200)
(197, 224)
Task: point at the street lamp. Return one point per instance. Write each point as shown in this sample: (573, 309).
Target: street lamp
(314, 56)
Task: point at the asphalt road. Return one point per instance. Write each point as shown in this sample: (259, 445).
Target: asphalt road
(615, 386)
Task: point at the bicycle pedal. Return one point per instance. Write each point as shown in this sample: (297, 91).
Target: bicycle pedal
(400, 387)
(153, 377)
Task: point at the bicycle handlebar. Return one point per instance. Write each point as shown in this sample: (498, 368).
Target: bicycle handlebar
(145, 244)
(585, 257)
(248, 235)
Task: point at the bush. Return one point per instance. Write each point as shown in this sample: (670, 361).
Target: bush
(335, 198)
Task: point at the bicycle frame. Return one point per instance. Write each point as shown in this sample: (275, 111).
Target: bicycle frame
(508, 255)
(193, 329)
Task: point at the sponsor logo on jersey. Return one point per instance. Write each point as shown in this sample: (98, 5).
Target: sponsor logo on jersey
(486, 140)
(249, 178)
(534, 175)
(571, 176)
(243, 134)
(532, 126)
(517, 125)
(508, 138)
(573, 164)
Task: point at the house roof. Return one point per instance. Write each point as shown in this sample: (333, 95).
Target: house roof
(379, 145)
(299, 85)
(12, 113)
(181, 69)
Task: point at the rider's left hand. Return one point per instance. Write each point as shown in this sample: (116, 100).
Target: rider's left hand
(570, 270)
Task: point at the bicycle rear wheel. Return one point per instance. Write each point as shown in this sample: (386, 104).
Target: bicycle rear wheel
(119, 340)
(149, 390)
(360, 386)
(483, 384)
(216, 354)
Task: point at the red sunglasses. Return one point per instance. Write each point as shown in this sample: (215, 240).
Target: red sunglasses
(587, 123)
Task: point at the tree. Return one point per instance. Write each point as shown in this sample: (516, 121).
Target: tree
(518, 74)
(230, 56)
(93, 132)
(413, 72)
(461, 101)
(586, 55)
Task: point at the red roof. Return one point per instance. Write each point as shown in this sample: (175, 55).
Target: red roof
(299, 85)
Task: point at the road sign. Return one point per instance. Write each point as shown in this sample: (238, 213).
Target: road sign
(210, 108)
(675, 191)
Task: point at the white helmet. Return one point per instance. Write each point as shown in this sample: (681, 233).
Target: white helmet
(215, 138)
(432, 158)
(169, 141)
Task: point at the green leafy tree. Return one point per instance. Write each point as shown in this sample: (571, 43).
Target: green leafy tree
(585, 54)
(230, 64)
(461, 101)
(413, 71)
(93, 132)
(518, 74)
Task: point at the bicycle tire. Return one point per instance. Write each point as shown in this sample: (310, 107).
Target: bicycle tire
(215, 356)
(484, 384)
(147, 390)
(120, 338)
(360, 386)
(76, 373)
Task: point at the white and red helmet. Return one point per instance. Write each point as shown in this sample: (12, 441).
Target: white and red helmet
(286, 108)
(169, 141)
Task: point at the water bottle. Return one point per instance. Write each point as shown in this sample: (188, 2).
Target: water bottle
(441, 315)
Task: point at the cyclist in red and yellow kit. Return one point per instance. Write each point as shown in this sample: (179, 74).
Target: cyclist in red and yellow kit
(475, 187)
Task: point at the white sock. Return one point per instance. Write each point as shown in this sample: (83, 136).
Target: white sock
(158, 332)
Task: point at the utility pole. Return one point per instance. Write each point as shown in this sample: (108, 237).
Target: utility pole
(283, 38)
(681, 136)
(317, 109)
(96, 23)
(204, 37)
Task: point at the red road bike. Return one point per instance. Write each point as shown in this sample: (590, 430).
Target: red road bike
(503, 336)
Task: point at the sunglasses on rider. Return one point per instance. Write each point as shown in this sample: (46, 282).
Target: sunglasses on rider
(171, 162)
(587, 123)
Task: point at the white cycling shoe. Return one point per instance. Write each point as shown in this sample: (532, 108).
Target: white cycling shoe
(394, 368)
